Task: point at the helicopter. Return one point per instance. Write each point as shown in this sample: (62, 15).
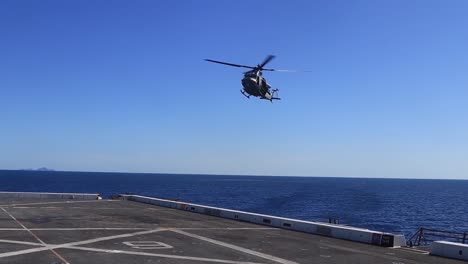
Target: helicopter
(254, 84)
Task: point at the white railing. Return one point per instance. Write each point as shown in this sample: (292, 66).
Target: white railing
(332, 230)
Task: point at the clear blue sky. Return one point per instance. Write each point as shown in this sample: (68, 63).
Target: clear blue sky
(122, 86)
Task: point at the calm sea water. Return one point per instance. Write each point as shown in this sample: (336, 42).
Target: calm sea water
(392, 205)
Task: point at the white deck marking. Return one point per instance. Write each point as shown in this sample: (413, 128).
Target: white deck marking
(147, 244)
(34, 235)
(161, 255)
(20, 242)
(234, 247)
(132, 228)
(49, 247)
(66, 202)
(89, 228)
(66, 207)
(414, 251)
(132, 252)
(226, 228)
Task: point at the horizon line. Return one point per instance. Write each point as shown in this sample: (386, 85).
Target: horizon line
(240, 175)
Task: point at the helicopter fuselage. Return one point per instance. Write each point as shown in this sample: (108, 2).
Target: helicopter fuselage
(252, 87)
(255, 86)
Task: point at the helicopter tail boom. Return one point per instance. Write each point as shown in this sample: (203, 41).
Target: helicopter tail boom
(271, 96)
(273, 93)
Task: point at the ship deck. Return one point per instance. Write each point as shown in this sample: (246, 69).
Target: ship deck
(119, 231)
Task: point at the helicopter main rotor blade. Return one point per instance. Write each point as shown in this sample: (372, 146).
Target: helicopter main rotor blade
(279, 70)
(267, 60)
(231, 64)
(283, 70)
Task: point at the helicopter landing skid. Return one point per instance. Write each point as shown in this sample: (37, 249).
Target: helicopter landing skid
(246, 95)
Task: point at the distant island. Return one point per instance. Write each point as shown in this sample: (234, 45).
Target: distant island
(39, 169)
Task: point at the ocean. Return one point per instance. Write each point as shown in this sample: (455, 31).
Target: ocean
(390, 205)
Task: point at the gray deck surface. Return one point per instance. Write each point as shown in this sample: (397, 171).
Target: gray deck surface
(114, 231)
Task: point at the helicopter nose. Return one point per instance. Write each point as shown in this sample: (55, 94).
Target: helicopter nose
(248, 81)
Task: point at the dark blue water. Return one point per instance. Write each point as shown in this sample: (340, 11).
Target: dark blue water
(392, 205)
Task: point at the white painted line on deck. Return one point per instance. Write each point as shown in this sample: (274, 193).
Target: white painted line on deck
(67, 207)
(234, 247)
(49, 247)
(20, 242)
(61, 202)
(134, 228)
(413, 250)
(69, 229)
(36, 237)
(147, 244)
(160, 255)
(89, 228)
(75, 244)
(131, 252)
(226, 228)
